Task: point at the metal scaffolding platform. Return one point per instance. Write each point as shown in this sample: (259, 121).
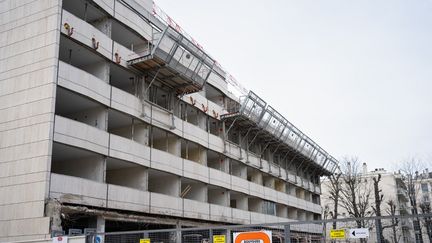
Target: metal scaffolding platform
(261, 121)
(175, 61)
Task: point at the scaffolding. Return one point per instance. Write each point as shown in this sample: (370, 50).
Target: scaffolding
(175, 61)
(258, 119)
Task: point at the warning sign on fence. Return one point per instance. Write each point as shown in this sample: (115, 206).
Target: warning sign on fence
(145, 240)
(253, 237)
(218, 238)
(337, 234)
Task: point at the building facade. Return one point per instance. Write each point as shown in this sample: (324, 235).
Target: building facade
(393, 188)
(113, 118)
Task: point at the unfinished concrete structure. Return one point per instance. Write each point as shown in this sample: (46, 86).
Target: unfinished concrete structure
(112, 118)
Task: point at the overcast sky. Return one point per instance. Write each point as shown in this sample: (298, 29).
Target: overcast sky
(355, 76)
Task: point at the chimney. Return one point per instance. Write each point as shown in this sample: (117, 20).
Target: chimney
(364, 168)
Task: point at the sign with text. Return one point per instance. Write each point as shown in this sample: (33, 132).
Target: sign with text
(145, 240)
(359, 233)
(253, 237)
(337, 234)
(218, 238)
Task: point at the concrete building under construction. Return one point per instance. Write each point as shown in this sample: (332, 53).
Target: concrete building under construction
(113, 118)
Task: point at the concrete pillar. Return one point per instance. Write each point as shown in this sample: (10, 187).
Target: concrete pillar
(281, 210)
(140, 132)
(52, 210)
(174, 145)
(100, 224)
(256, 177)
(255, 204)
(292, 213)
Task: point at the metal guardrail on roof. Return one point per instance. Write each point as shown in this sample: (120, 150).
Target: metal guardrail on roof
(267, 118)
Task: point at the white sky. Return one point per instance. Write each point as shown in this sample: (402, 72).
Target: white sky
(355, 76)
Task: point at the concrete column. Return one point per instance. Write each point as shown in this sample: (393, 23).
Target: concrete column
(141, 133)
(174, 145)
(100, 224)
(52, 210)
(281, 210)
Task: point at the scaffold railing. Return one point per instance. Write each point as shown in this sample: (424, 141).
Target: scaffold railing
(176, 61)
(164, 18)
(267, 118)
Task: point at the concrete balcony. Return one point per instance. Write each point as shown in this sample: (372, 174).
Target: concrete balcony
(125, 198)
(220, 213)
(240, 216)
(107, 5)
(220, 178)
(196, 210)
(270, 194)
(124, 54)
(195, 171)
(84, 83)
(164, 161)
(257, 218)
(125, 102)
(80, 135)
(291, 178)
(132, 20)
(70, 189)
(239, 184)
(195, 134)
(274, 169)
(271, 219)
(282, 198)
(216, 143)
(128, 150)
(256, 190)
(294, 202)
(163, 118)
(232, 150)
(166, 205)
(219, 110)
(84, 33)
(254, 160)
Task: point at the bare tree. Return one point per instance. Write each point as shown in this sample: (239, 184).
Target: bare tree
(355, 192)
(377, 207)
(334, 194)
(391, 210)
(410, 170)
(379, 199)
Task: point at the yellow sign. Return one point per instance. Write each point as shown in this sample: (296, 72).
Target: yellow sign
(146, 240)
(337, 234)
(218, 238)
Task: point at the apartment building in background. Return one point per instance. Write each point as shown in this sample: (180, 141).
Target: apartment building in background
(112, 118)
(393, 188)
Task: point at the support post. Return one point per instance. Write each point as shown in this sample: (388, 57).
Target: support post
(378, 232)
(287, 233)
(211, 235)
